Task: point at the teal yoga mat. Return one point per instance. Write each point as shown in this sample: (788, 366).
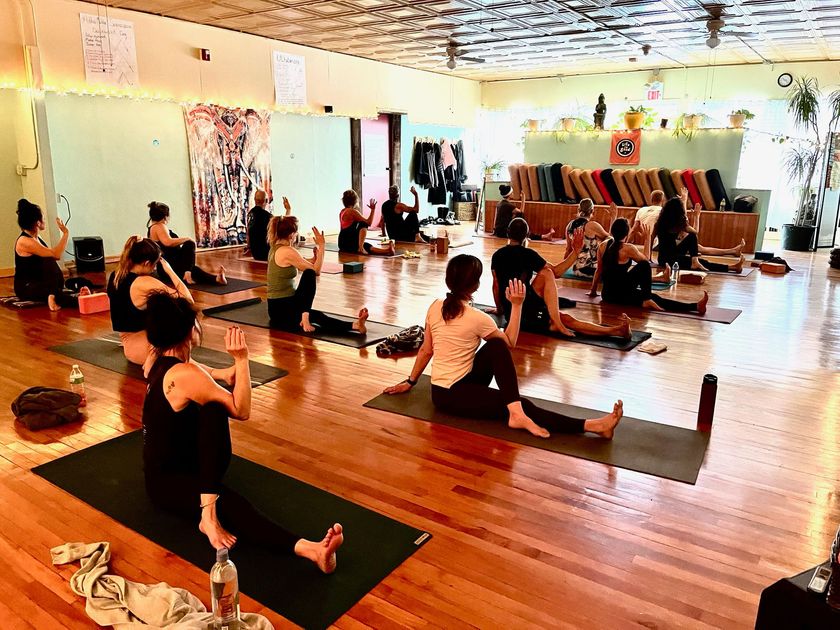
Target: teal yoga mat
(109, 477)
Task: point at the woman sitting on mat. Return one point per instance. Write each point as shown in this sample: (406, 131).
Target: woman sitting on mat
(461, 376)
(541, 308)
(354, 227)
(628, 284)
(289, 307)
(37, 275)
(179, 252)
(593, 236)
(678, 241)
(186, 438)
(129, 288)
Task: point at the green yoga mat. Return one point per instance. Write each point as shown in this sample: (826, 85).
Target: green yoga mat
(648, 447)
(614, 343)
(656, 286)
(254, 312)
(233, 285)
(109, 477)
(106, 352)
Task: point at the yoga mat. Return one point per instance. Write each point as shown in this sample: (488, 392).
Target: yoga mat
(233, 285)
(326, 267)
(614, 343)
(648, 447)
(728, 260)
(255, 313)
(109, 477)
(333, 247)
(656, 286)
(713, 313)
(107, 353)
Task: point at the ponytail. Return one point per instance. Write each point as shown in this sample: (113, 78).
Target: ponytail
(619, 231)
(137, 250)
(463, 274)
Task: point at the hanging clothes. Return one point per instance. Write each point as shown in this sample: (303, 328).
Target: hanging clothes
(447, 154)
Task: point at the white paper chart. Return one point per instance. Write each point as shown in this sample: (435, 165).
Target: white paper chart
(110, 51)
(289, 79)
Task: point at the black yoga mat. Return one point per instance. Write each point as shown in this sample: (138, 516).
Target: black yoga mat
(648, 447)
(109, 477)
(107, 353)
(255, 313)
(233, 285)
(333, 247)
(615, 343)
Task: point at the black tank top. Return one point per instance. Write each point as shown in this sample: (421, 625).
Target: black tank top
(125, 317)
(31, 268)
(170, 438)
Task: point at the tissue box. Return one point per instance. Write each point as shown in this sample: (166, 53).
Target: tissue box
(354, 267)
(94, 303)
(692, 277)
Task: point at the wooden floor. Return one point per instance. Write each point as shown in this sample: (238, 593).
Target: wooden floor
(522, 537)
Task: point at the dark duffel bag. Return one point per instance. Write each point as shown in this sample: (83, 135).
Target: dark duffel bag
(744, 203)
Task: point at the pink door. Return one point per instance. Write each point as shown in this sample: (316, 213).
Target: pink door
(376, 159)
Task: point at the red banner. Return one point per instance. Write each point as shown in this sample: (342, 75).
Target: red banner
(626, 147)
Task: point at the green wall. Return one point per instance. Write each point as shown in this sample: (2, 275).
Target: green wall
(10, 182)
(709, 148)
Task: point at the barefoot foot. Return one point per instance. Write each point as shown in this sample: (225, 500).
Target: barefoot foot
(359, 324)
(739, 247)
(218, 536)
(701, 305)
(666, 274)
(326, 550)
(220, 277)
(737, 267)
(188, 279)
(624, 326)
(305, 325)
(605, 426)
(561, 329)
(52, 303)
(652, 305)
(524, 422)
(84, 291)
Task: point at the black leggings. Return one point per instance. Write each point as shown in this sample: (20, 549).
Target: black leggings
(179, 492)
(403, 228)
(684, 251)
(182, 260)
(348, 238)
(635, 289)
(286, 312)
(471, 397)
(52, 283)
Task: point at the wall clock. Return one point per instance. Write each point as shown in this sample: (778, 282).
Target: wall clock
(784, 80)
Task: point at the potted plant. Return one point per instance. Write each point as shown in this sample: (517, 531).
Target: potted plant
(491, 169)
(686, 124)
(803, 102)
(739, 116)
(532, 124)
(638, 117)
(572, 123)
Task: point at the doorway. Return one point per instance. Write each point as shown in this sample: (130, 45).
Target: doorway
(375, 146)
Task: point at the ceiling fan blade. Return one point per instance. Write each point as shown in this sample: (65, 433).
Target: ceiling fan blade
(472, 59)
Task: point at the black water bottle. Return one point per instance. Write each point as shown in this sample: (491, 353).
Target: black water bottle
(708, 394)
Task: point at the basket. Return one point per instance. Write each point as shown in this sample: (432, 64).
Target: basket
(466, 210)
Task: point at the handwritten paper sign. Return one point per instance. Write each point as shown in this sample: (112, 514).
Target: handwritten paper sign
(109, 50)
(289, 79)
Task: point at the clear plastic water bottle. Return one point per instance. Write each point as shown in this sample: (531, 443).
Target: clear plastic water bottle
(224, 590)
(722, 206)
(77, 384)
(675, 272)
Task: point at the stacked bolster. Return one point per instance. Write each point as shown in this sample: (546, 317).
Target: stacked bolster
(562, 183)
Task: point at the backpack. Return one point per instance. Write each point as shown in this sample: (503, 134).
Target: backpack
(45, 407)
(407, 340)
(744, 203)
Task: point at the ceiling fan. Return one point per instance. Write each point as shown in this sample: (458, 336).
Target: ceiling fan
(715, 25)
(454, 52)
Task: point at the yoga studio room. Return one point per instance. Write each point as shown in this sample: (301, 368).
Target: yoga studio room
(420, 314)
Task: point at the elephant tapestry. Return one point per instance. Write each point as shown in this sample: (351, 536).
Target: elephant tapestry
(230, 159)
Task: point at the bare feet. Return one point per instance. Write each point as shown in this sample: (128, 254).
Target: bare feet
(701, 305)
(652, 305)
(521, 421)
(666, 274)
(188, 279)
(624, 326)
(220, 277)
(697, 266)
(219, 537)
(605, 426)
(561, 329)
(322, 553)
(84, 291)
(359, 324)
(305, 324)
(392, 248)
(739, 247)
(52, 303)
(548, 236)
(737, 267)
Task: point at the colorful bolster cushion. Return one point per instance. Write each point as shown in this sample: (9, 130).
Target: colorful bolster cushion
(667, 183)
(599, 182)
(644, 184)
(566, 173)
(703, 187)
(717, 188)
(542, 182)
(609, 182)
(523, 181)
(515, 183)
(653, 178)
(633, 187)
(533, 182)
(676, 178)
(557, 180)
(621, 184)
(693, 193)
(577, 182)
(549, 184)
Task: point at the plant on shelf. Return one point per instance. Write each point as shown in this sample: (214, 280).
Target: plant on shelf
(572, 122)
(531, 124)
(803, 103)
(491, 169)
(739, 116)
(638, 117)
(686, 124)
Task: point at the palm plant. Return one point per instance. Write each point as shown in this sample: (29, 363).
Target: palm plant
(803, 102)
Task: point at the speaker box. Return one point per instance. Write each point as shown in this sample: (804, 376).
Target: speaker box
(89, 253)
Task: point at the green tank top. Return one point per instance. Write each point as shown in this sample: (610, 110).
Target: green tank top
(281, 280)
